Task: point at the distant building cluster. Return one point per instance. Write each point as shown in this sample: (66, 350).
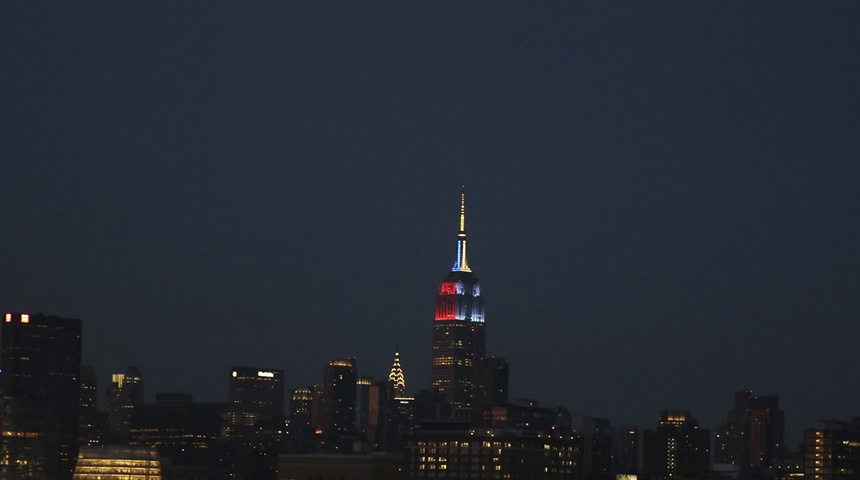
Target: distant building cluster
(351, 426)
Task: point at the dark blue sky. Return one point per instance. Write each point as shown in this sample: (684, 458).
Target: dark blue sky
(662, 196)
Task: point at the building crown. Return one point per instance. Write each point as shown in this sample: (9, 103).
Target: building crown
(460, 264)
(396, 377)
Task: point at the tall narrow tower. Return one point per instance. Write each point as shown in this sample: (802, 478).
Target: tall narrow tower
(458, 329)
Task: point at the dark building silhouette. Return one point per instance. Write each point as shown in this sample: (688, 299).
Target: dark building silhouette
(596, 445)
(89, 431)
(337, 403)
(187, 436)
(523, 414)
(376, 466)
(365, 407)
(40, 364)
(753, 437)
(677, 447)
(491, 384)
(832, 450)
(124, 394)
(255, 399)
(626, 440)
(458, 328)
(301, 427)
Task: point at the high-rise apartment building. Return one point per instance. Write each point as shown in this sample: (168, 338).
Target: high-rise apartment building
(753, 437)
(40, 364)
(677, 448)
(458, 328)
(832, 450)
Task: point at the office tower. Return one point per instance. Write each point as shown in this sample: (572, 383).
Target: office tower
(396, 377)
(40, 364)
(256, 404)
(752, 438)
(117, 463)
(337, 402)
(364, 407)
(832, 450)
(301, 427)
(88, 418)
(458, 328)
(124, 394)
(677, 448)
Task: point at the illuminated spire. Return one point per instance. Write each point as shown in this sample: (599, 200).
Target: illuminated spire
(461, 265)
(396, 376)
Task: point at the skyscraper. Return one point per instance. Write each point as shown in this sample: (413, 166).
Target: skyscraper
(752, 438)
(256, 404)
(677, 448)
(396, 377)
(337, 405)
(40, 364)
(458, 328)
(124, 394)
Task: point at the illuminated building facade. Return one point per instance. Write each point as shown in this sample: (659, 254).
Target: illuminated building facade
(440, 452)
(832, 450)
(40, 363)
(458, 328)
(117, 463)
(396, 376)
(124, 394)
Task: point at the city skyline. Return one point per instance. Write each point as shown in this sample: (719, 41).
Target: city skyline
(662, 197)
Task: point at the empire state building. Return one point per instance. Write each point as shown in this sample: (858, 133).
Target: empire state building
(458, 329)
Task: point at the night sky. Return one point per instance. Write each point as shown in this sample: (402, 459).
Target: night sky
(662, 197)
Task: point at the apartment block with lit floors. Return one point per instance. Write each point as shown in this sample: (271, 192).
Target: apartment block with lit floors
(458, 328)
(40, 364)
(678, 447)
(451, 451)
(832, 450)
(752, 440)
